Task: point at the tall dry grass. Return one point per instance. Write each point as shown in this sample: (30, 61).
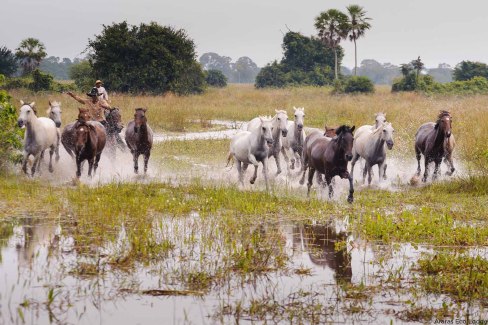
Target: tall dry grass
(407, 111)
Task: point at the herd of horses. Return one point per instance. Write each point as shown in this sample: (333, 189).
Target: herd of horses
(323, 153)
(328, 153)
(83, 139)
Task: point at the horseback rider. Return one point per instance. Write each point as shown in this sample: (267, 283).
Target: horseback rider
(96, 107)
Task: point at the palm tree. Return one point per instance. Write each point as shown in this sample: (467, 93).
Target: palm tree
(358, 24)
(332, 26)
(30, 53)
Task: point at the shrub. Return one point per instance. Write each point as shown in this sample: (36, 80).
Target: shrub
(10, 134)
(17, 83)
(271, 76)
(41, 81)
(358, 84)
(215, 78)
(83, 75)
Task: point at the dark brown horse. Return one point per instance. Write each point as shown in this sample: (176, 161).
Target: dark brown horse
(114, 127)
(68, 134)
(330, 157)
(90, 138)
(139, 138)
(433, 140)
(307, 147)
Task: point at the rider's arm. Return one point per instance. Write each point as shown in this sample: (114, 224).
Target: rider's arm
(104, 103)
(80, 100)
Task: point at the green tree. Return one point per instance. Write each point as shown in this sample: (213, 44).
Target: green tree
(41, 81)
(83, 75)
(8, 62)
(332, 26)
(271, 75)
(467, 70)
(10, 134)
(30, 53)
(358, 25)
(417, 65)
(146, 58)
(215, 78)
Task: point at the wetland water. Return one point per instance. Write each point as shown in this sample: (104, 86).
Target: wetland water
(211, 274)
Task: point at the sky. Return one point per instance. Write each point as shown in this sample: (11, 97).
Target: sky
(437, 31)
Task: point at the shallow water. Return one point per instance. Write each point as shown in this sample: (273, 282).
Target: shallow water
(38, 255)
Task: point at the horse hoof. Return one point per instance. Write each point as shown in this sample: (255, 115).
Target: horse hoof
(301, 182)
(51, 169)
(350, 199)
(251, 181)
(278, 172)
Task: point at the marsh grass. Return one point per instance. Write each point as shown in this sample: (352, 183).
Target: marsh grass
(459, 275)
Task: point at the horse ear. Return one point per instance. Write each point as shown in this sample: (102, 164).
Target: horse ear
(294, 108)
(352, 129)
(436, 126)
(50, 103)
(32, 104)
(21, 102)
(144, 110)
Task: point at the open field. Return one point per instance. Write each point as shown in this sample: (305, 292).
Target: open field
(186, 241)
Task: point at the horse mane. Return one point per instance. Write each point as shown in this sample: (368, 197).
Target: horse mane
(343, 129)
(55, 103)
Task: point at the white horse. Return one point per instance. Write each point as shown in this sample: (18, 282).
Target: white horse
(278, 128)
(293, 142)
(41, 133)
(54, 113)
(370, 145)
(252, 147)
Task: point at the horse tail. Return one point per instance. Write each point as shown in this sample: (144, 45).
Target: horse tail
(230, 157)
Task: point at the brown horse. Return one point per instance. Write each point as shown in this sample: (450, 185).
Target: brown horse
(90, 138)
(68, 134)
(330, 157)
(307, 147)
(139, 138)
(435, 142)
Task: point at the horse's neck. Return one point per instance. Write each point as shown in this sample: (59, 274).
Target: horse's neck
(439, 138)
(143, 133)
(379, 143)
(298, 136)
(257, 140)
(338, 156)
(32, 128)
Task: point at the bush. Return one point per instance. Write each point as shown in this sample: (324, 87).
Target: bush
(271, 76)
(10, 134)
(17, 83)
(215, 78)
(427, 84)
(359, 84)
(83, 75)
(41, 81)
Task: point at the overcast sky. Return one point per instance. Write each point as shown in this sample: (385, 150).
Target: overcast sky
(438, 31)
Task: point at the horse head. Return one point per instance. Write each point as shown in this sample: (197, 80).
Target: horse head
(27, 112)
(330, 131)
(387, 134)
(266, 129)
(443, 123)
(84, 114)
(54, 112)
(299, 117)
(140, 118)
(82, 133)
(379, 119)
(345, 140)
(114, 119)
(282, 121)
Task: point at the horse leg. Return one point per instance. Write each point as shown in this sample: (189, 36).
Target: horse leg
(25, 159)
(287, 160)
(328, 181)
(37, 162)
(297, 155)
(135, 157)
(265, 167)
(146, 161)
(426, 172)
(51, 152)
(384, 172)
(381, 171)
(97, 159)
(253, 178)
(57, 145)
(370, 174)
(78, 167)
(90, 166)
(350, 198)
(450, 165)
(311, 171)
(365, 171)
(436, 169)
(320, 181)
(355, 158)
(304, 170)
(239, 172)
(418, 155)
(278, 163)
